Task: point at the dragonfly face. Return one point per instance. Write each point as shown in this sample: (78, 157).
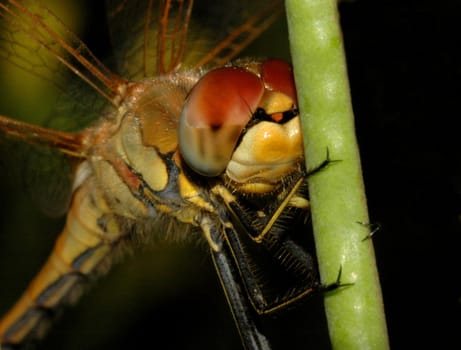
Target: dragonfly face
(220, 151)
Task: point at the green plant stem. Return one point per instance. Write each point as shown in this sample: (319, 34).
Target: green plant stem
(355, 313)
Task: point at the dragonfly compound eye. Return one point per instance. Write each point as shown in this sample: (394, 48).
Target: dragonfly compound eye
(278, 76)
(216, 111)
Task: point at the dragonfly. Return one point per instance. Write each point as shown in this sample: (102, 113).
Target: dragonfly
(181, 136)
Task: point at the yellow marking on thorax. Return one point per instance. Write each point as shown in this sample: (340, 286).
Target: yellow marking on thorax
(189, 191)
(121, 199)
(145, 160)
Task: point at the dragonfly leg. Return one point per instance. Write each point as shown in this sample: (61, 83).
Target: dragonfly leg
(326, 162)
(244, 315)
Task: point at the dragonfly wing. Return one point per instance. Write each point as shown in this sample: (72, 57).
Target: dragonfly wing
(237, 24)
(177, 35)
(35, 40)
(148, 36)
(44, 174)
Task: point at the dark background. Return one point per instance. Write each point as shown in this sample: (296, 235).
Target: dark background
(404, 68)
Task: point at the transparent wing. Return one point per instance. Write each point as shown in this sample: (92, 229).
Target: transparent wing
(33, 38)
(157, 37)
(238, 23)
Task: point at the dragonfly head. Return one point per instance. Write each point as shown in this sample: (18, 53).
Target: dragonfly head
(243, 121)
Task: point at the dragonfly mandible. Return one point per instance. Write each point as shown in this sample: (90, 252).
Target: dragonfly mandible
(183, 136)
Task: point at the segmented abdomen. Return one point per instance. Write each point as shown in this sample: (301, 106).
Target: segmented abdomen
(83, 248)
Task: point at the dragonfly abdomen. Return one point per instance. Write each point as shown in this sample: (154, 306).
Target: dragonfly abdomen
(83, 248)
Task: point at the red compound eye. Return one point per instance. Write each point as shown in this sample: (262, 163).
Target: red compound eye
(215, 113)
(278, 76)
